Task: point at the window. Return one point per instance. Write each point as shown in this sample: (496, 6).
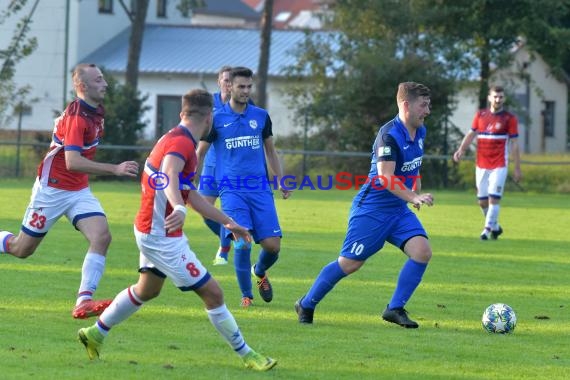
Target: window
(167, 113)
(548, 118)
(22, 109)
(161, 8)
(105, 6)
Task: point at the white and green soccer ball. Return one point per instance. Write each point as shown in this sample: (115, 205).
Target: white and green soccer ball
(499, 318)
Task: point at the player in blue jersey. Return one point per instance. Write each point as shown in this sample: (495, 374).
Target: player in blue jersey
(380, 213)
(242, 137)
(210, 191)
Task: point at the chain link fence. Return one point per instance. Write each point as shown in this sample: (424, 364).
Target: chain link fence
(20, 160)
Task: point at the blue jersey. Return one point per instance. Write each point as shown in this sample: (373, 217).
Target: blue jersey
(210, 158)
(238, 141)
(393, 143)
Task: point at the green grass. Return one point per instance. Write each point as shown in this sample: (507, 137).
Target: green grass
(171, 338)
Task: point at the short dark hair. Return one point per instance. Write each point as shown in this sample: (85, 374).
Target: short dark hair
(197, 102)
(409, 91)
(223, 69)
(240, 71)
(496, 88)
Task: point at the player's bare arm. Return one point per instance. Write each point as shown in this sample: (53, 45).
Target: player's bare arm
(275, 164)
(75, 162)
(467, 140)
(203, 147)
(395, 185)
(201, 206)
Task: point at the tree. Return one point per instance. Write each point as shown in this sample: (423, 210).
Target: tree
(480, 33)
(124, 104)
(355, 71)
(264, 52)
(124, 108)
(20, 47)
(137, 16)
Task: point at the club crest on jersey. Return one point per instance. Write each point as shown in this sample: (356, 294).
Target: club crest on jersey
(384, 151)
(421, 143)
(253, 124)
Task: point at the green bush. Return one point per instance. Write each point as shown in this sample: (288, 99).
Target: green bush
(540, 174)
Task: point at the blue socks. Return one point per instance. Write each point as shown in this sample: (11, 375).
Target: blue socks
(325, 282)
(242, 264)
(265, 261)
(409, 279)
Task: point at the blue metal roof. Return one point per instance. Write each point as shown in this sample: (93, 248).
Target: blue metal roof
(198, 50)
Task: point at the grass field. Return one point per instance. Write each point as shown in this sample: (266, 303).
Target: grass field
(171, 338)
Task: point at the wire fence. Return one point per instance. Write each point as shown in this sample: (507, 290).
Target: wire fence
(20, 160)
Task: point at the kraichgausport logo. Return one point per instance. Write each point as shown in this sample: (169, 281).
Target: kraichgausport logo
(340, 181)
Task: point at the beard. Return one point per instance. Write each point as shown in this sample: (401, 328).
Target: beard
(239, 100)
(97, 97)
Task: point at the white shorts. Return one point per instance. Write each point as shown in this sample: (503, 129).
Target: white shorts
(171, 257)
(48, 204)
(490, 182)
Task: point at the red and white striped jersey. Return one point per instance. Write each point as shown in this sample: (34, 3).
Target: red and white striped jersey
(155, 207)
(493, 133)
(78, 128)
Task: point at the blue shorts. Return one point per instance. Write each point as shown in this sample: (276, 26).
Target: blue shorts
(253, 210)
(369, 230)
(208, 187)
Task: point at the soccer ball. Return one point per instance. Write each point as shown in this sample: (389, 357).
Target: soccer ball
(499, 318)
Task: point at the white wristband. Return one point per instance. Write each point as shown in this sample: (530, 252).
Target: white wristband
(180, 208)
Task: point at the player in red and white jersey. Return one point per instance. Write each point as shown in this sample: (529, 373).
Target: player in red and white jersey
(164, 249)
(79, 129)
(497, 136)
(155, 208)
(62, 187)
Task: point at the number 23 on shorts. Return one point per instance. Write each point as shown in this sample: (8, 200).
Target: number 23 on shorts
(37, 220)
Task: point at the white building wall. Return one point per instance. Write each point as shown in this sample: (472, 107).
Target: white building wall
(177, 85)
(173, 15)
(211, 20)
(43, 69)
(542, 87)
(467, 104)
(545, 87)
(279, 111)
(90, 29)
